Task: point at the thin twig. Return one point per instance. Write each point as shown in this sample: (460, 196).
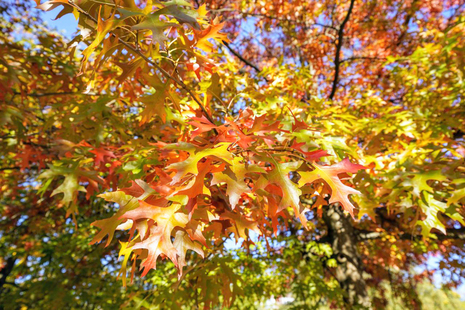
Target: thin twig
(307, 24)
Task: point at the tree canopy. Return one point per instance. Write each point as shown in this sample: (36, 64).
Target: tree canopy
(212, 154)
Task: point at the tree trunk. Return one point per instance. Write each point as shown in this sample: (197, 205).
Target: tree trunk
(6, 270)
(349, 272)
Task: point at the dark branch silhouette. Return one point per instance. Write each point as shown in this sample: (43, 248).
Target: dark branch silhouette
(337, 59)
(248, 63)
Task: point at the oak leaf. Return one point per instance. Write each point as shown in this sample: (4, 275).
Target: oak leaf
(158, 241)
(339, 191)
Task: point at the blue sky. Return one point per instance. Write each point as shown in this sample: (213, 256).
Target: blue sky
(67, 25)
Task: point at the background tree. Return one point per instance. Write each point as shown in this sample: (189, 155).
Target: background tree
(170, 130)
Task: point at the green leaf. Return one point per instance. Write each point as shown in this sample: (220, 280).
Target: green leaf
(419, 181)
(431, 207)
(457, 194)
(69, 189)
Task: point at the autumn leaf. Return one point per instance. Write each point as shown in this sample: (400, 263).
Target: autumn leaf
(70, 185)
(158, 241)
(431, 208)
(290, 190)
(101, 154)
(241, 224)
(419, 181)
(103, 28)
(109, 225)
(182, 243)
(50, 5)
(234, 179)
(329, 174)
(156, 26)
(212, 32)
(189, 166)
(457, 194)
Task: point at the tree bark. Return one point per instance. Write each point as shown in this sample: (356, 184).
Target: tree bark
(349, 272)
(6, 270)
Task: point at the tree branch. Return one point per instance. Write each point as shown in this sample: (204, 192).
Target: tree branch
(6, 270)
(362, 58)
(405, 25)
(248, 63)
(337, 61)
(368, 235)
(452, 234)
